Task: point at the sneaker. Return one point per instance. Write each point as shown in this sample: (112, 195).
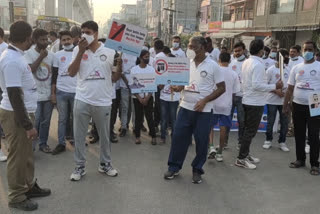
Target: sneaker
(60, 148)
(123, 133)
(284, 147)
(253, 159)
(113, 138)
(45, 149)
(2, 157)
(170, 175)
(219, 157)
(212, 152)
(307, 149)
(143, 129)
(196, 178)
(245, 163)
(267, 144)
(108, 169)
(26, 205)
(36, 191)
(78, 173)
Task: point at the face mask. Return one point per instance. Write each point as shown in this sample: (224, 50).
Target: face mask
(286, 60)
(273, 55)
(242, 57)
(146, 61)
(308, 56)
(191, 54)
(175, 45)
(68, 47)
(89, 38)
(145, 48)
(49, 40)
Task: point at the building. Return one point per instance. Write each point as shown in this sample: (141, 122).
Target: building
(128, 13)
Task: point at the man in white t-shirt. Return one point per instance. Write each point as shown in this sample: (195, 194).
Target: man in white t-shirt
(254, 92)
(303, 82)
(295, 57)
(92, 64)
(55, 42)
(222, 106)
(152, 50)
(41, 61)
(195, 114)
(63, 87)
(176, 49)
(268, 62)
(275, 102)
(212, 52)
(17, 110)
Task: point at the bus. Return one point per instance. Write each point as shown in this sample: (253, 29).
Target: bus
(55, 23)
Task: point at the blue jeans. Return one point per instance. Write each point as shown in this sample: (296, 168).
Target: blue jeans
(272, 113)
(188, 123)
(64, 99)
(168, 115)
(42, 121)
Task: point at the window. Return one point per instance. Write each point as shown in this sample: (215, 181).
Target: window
(239, 12)
(309, 4)
(261, 6)
(227, 13)
(282, 6)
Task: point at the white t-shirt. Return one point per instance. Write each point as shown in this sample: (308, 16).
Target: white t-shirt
(268, 62)
(94, 83)
(15, 72)
(223, 104)
(138, 70)
(152, 52)
(203, 80)
(273, 76)
(255, 86)
(43, 75)
(3, 46)
(236, 66)
(295, 62)
(214, 55)
(128, 62)
(165, 94)
(62, 60)
(306, 80)
(178, 53)
(55, 46)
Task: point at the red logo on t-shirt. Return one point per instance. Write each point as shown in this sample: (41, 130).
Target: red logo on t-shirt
(234, 67)
(125, 61)
(63, 59)
(277, 76)
(301, 72)
(85, 57)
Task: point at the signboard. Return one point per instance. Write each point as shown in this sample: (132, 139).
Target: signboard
(19, 3)
(126, 38)
(20, 11)
(314, 104)
(172, 71)
(214, 27)
(142, 83)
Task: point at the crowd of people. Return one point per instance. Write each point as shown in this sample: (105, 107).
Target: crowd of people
(88, 83)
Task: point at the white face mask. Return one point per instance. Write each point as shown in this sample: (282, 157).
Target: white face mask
(175, 45)
(89, 38)
(68, 47)
(191, 54)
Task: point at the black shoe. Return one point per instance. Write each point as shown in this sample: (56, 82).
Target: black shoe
(123, 132)
(113, 138)
(144, 129)
(46, 149)
(170, 175)
(36, 191)
(196, 178)
(60, 148)
(94, 140)
(26, 205)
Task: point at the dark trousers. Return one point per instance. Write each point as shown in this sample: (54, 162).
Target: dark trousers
(157, 108)
(115, 108)
(272, 113)
(188, 123)
(252, 119)
(237, 104)
(302, 120)
(139, 109)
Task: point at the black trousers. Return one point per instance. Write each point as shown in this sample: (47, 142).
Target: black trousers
(115, 108)
(157, 108)
(252, 118)
(302, 120)
(147, 110)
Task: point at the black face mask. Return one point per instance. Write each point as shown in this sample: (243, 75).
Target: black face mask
(286, 60)
(146, 61)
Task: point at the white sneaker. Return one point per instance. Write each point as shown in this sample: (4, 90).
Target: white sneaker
(253, 159)
(212, 152)
(307, 149)
(245, 163)
(108, 169)
(284, 147)
(219, 157)
(3, 157)
(267, 144)
(78, 173)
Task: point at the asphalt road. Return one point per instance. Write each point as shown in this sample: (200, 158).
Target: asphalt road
(273, 188)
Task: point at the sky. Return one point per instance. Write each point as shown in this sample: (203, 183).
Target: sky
(104, 8)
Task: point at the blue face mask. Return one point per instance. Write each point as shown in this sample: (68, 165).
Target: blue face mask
(242, 57)
(308, 56)
(273, 55)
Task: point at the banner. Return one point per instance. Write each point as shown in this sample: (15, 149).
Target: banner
(126, 38)
(314, 104)
(172, 71)
(142, 83)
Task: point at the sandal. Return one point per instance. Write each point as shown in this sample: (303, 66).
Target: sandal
(314, 170)
(138, 141)
(297, 164)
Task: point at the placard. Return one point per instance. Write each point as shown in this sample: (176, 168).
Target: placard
(172, 71)
(126, 38)
(142, 83)
(314, 104)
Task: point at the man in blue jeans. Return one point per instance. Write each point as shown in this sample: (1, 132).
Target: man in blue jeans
(195, 112)
(41, 61)
(63, 87)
